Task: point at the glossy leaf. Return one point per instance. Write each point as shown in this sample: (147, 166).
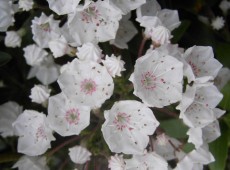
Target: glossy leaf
(4, 58)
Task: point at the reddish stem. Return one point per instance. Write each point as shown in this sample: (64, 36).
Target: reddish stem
(140, 51)
(62, 145)
(168, 112)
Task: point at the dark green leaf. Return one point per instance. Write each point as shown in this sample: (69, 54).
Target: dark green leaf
(179, 32)
(219, 149)
(225, 103)
(222, 51)
(174, 128)
(4, 58)
(9, 157)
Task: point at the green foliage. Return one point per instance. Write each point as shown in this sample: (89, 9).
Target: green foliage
(219, 149)
(174, 128)
(4, 58)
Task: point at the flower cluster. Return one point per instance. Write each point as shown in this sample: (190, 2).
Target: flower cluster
(83, 92)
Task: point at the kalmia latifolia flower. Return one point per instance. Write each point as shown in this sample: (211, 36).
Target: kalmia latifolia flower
(127, 126)
(39, 94)
(67, 117)
(79, 154)
(87, 83)
(157, 79)
(34, 133)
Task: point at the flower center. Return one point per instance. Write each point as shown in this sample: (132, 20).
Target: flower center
(88, 86)
(121, 121)
(40, 133)
(148, 81)
(72, 116)
(91, 15)
(195, 69)
(45, 27)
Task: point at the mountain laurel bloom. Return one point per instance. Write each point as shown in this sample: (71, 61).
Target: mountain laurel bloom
(86, 82)
(6, 15)
(79, 154)
(66, 116)
(26, 5)
(114, 65)
(29, 162)
(12, 39)
(39, 94)
(157, 79)
(9, 112)
(117, 162)
(34, 133)
(127, 126)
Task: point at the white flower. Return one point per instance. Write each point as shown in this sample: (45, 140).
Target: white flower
(34, 55)
(166, 146)
(218, 23)
(127, 126)
(39, 94)
(34, 133)
(12, 39)
(160, 35)
(200, 112)
(34, 163)
(127, 5)
(150, 8)
(26, 5)
(202, 62)
(198, 157)
(147, 161)
(79, 154)
(224, 6)
(47, 72)
(125, 32)
(9, 112)
(222, 78)
(157, 79)
(6, 15)
(45, 29)
(117, 162)
(94, 22)
(66, 116)
(89, 51)
(60, 47)
(114, 65)
(62, 7)
(86, 82)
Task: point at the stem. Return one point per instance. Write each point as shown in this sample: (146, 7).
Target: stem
(62, 145)
(168, 112)
(140, 51)
(63, 164)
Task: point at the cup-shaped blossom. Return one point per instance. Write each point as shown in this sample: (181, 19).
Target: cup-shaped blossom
(26, 5)
(9, 112)
(12, 39)
(29, 162)
(34, 133)
(201, 60)
(6, 15)
(34, 55)
(62, 7)
(86, 82)
(67, 117)
(127, 126)
(94, 22)
(44, 29)
(79, 154)
(157, 79)
(39, 94)
(146, 161)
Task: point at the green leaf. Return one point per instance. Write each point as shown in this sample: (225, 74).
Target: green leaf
(219, 149)
(174, 128)
(4, 58)
(179, 32)
(9, 157)
(225, 103)
(222, 51)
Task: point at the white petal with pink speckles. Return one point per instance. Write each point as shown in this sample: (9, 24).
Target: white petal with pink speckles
(67, 117)
(201, 60)
(127, 127)
(157, 79)
(34, 133)
(86, 82)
